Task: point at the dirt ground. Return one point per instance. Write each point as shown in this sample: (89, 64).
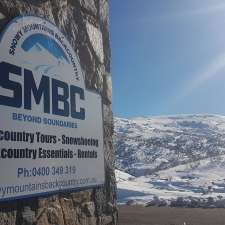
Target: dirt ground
(138, 215)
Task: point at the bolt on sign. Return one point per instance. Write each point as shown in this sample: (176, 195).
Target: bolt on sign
(51, 127)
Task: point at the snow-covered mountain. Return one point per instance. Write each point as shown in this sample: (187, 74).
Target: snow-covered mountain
(146, 145)
(171, 158)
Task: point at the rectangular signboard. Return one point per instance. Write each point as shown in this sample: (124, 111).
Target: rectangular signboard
(51, 127)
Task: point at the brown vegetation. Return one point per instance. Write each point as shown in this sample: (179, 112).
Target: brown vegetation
(139, 215)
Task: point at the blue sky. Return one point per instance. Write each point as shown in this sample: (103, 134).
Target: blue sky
(168, 57)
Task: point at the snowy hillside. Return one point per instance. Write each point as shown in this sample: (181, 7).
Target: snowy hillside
(175, 160)
(146, 145)
(199, 181)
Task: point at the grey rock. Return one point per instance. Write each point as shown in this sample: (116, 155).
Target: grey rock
(106, 220)
(110, 207)
(2, 16)
(8, 217)
(104, 23)
(107, 88)
(95, 37)
(89, 209)
(104, 11)
(89, 5)
(28, 216)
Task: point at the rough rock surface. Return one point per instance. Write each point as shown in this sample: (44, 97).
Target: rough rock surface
(85, 24)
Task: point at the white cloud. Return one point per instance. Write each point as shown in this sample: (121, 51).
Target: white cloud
(212, 70)
(203, 9)
(210, 9)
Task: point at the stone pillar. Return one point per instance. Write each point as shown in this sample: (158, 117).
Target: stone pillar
(85, 24)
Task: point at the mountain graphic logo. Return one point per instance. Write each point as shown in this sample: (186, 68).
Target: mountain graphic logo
(39, 42)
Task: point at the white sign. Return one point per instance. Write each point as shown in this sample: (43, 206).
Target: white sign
(51, 128)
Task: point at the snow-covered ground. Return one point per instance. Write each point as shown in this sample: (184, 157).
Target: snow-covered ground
(202, 179)
(191, 148)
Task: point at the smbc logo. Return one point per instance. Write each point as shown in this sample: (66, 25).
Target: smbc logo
(59, 98)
